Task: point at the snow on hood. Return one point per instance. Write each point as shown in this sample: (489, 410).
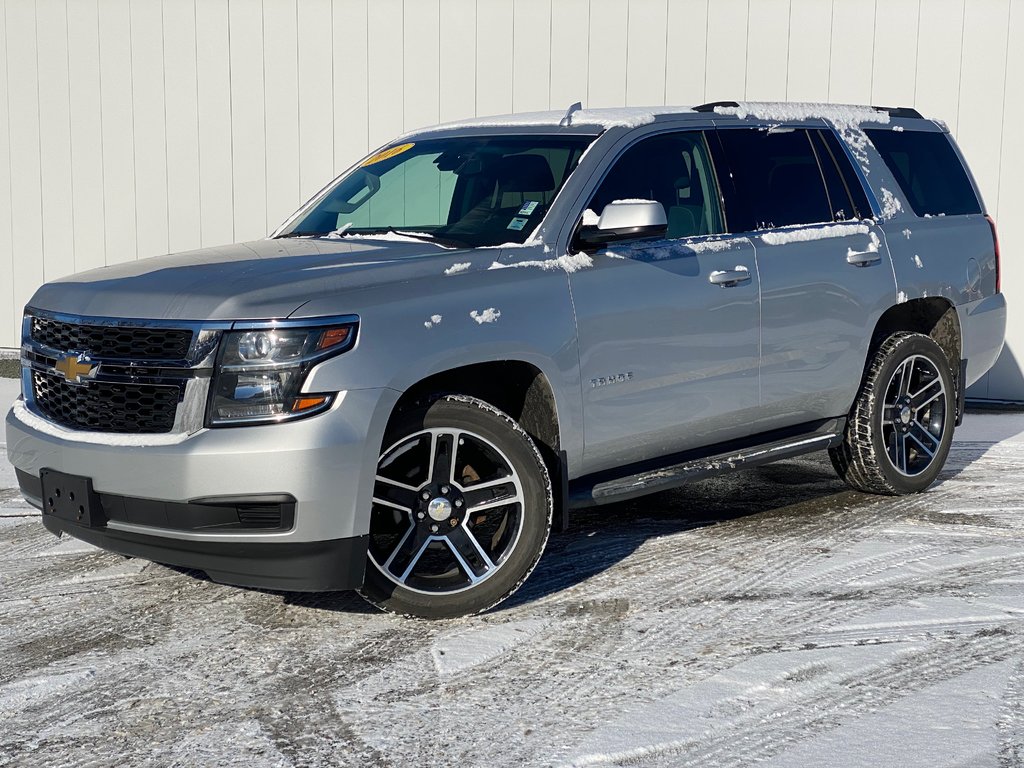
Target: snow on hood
(261, 279)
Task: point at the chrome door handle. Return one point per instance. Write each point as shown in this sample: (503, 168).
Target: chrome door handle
(862, 258)
(729, 277)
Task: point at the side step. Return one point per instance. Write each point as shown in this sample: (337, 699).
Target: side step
(607, 490)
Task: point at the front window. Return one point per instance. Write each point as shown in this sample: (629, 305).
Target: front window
(465, 191)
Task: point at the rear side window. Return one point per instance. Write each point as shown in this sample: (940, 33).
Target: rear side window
(928, 171)
(778, 182)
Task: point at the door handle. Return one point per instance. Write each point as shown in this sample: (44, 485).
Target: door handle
(728, 278)
(862, 258)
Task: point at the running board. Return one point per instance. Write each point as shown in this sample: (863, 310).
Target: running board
(828, 435)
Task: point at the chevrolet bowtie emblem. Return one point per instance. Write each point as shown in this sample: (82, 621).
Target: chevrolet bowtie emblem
(74, 368)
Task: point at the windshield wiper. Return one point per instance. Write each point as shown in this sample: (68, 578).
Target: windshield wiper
(426, 237)
(300, 233)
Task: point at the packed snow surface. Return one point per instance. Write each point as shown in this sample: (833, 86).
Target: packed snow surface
(771, 617)
(807, 234)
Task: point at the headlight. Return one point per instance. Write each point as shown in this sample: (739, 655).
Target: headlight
(260, 372)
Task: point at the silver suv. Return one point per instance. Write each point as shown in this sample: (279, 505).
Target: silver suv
(485, 325)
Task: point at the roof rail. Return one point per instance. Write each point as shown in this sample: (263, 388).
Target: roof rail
(710, 106)
(900, 111)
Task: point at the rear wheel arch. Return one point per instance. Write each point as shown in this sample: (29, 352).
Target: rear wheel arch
(933, 316)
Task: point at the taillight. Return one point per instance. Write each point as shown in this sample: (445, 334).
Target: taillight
(995, 242)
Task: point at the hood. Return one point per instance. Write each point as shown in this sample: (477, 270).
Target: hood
(245, 281)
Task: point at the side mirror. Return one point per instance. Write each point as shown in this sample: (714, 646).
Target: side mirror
(626, 220)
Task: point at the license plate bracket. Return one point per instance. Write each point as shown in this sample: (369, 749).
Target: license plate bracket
(71, 498)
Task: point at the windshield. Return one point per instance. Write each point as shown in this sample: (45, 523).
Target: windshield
(465, 191)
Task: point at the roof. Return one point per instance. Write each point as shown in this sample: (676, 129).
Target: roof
(839, 115)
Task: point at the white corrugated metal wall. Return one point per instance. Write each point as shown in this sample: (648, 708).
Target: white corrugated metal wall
(129, 129)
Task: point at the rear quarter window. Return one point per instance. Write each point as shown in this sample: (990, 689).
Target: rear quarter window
(928, 171)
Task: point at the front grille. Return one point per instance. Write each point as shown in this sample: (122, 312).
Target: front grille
(106, 406)
(112, 341)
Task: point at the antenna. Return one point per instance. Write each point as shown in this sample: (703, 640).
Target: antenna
(567, 120)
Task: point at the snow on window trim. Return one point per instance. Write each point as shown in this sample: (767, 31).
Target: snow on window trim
(806, 234)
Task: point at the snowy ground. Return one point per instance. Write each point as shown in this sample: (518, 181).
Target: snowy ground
(771, 617)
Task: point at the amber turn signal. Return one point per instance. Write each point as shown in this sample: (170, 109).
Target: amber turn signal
(305, 403)
(332, 337)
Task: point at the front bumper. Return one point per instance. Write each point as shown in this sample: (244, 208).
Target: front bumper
(305, 566)
(325, 463)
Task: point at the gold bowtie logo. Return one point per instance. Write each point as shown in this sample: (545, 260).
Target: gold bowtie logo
(74, 368)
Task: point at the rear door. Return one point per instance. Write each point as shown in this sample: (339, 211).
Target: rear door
(668, 351)
(825, 272)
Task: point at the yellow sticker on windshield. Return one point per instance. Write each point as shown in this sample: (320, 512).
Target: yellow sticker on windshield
(384, 154)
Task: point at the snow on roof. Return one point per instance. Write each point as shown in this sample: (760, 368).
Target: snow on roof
(839, 115)
(610, 117)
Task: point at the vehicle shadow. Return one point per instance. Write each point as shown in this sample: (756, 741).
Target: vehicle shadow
(600, 537)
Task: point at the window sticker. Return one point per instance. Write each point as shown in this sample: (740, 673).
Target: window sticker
(384, 154)
(528, 207)
(517, 223)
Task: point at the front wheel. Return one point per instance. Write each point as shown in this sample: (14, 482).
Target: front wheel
(901, 426)
(462, 508)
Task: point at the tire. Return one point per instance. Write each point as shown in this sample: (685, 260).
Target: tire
(901, 425)
(462, 509)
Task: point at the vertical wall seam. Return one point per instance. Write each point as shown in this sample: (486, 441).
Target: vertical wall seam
(664, 82)
(625, 73)
(71, 138)
(960, 76)
(874, 42)
(199, 133)
(551, 33)
(103, 161)
(707, 33)
(167, 165)
(263, 88)
(39, 142)
(1002, 115)
(231, 116)
(917, 51)
(831, 21)
(298, 105)
(589, 16)
(746, 51)
(131, 91)
(10, 175)
(789, 35)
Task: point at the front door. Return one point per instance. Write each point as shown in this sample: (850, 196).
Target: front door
(668, 330)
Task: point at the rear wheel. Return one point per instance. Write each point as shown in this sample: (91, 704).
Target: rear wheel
(461, 511)
(901, 425)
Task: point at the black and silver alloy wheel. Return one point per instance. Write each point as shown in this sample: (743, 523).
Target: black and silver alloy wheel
(461, 511)
(901, 425)
(914, 418)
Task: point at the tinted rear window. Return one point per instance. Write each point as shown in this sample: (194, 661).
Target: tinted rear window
(928, 171)
(778, 181)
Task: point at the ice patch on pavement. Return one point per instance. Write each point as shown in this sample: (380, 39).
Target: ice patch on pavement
(945, 725)
(464, 650)
(747, 692)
